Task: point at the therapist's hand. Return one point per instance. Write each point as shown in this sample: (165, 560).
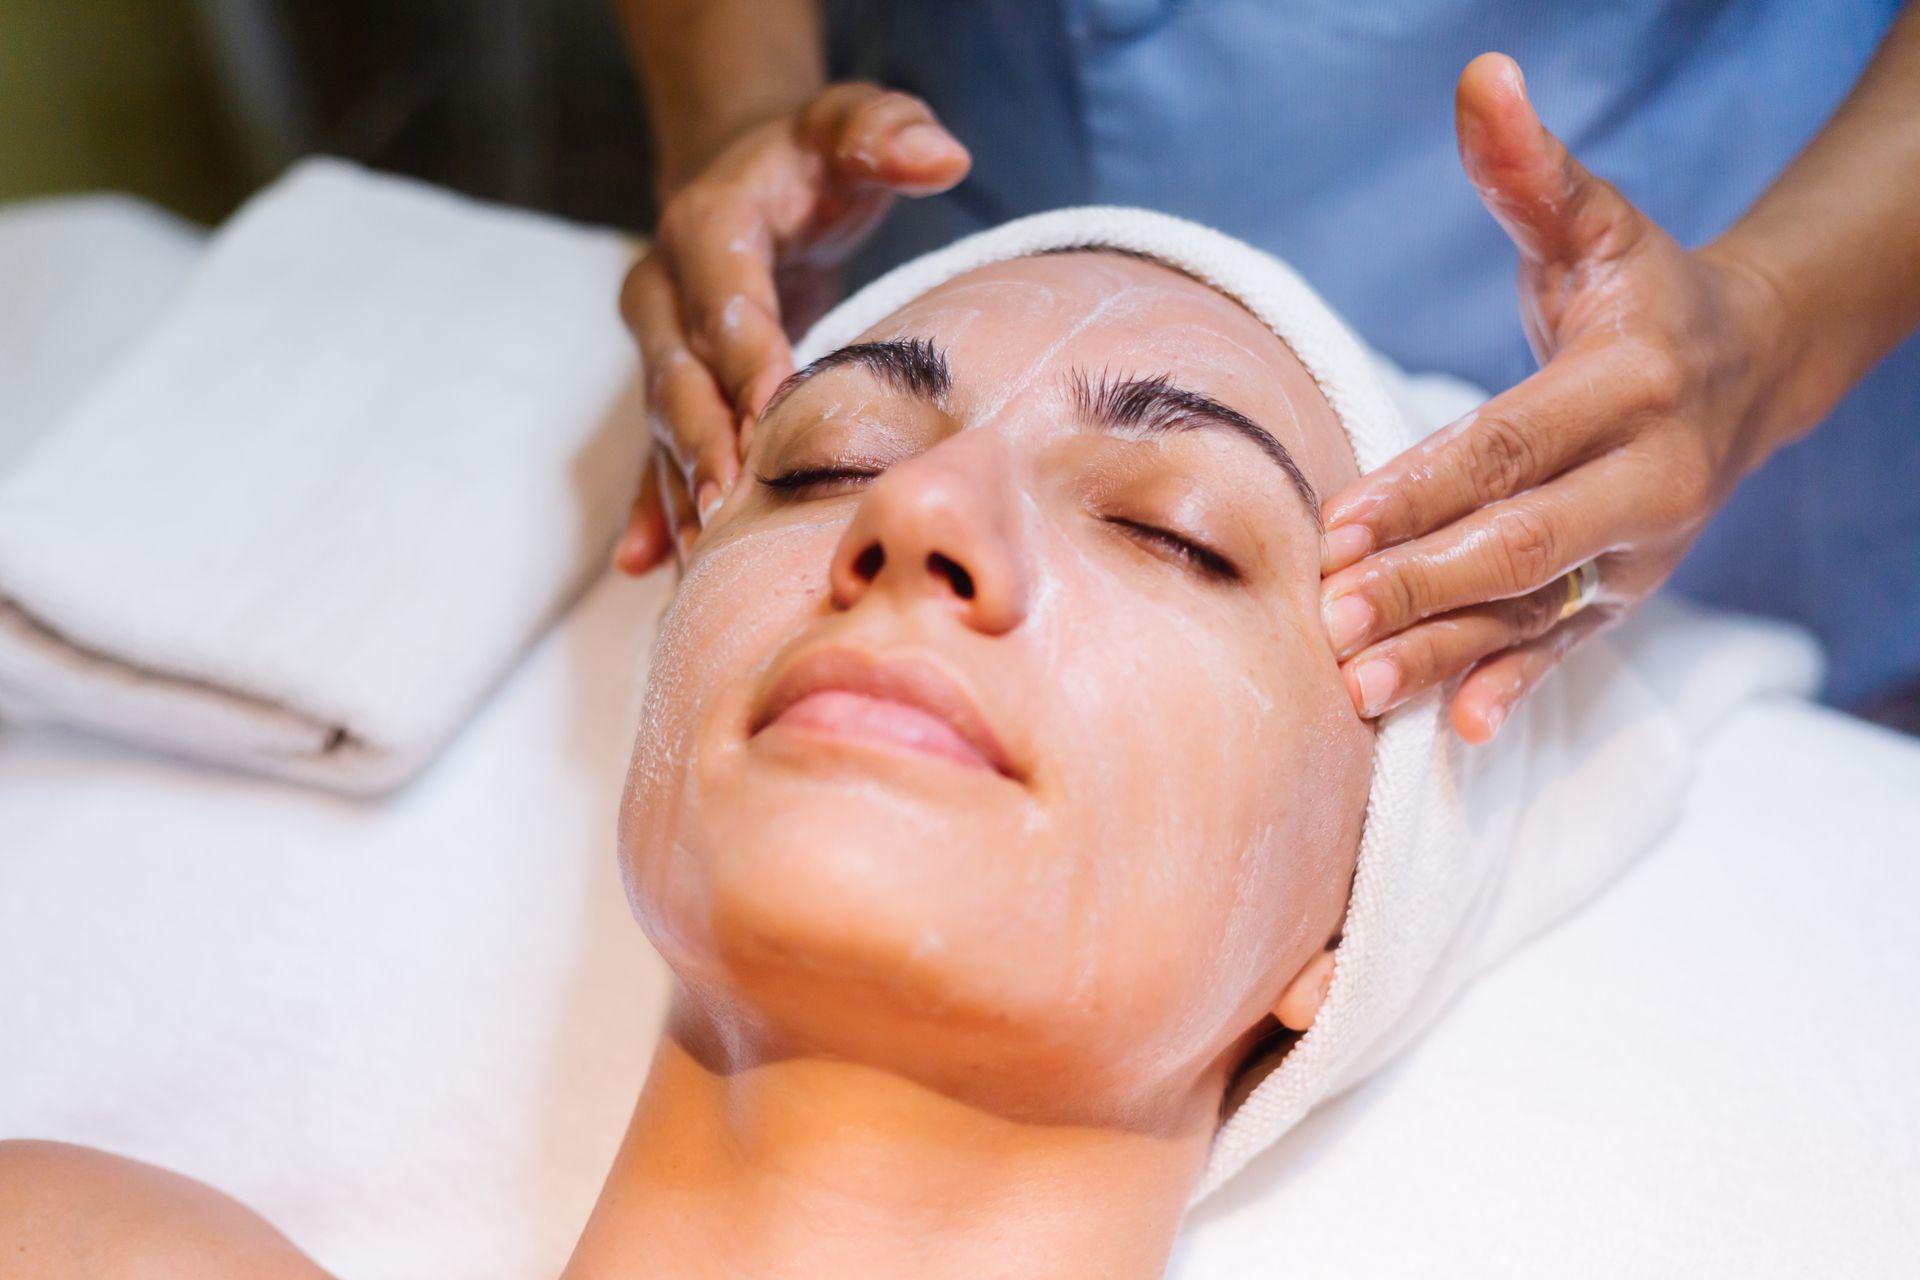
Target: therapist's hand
(1650, 404)
(746, 253)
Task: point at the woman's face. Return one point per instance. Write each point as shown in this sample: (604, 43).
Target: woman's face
(992, 736)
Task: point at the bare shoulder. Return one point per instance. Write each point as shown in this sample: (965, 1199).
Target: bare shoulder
(73, 1213)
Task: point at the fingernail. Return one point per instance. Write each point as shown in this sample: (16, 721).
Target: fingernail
(1496, 716)
(919, 143)
(1347, 621)
(1377, 678)
(1519, 77)
(707, 501)
(1342, 546)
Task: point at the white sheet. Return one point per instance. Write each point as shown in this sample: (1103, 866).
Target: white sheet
(333, 1007)
(330, 1007)
(1713, 1071)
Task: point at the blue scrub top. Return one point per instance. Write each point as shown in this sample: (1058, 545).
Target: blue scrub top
(1322, 130)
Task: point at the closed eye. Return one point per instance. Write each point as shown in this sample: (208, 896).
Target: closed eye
(803, 479)
(1203, 558)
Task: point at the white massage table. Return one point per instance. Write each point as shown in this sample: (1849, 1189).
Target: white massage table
(410, 1031)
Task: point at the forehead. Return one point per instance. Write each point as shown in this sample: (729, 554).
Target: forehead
(1015, 330)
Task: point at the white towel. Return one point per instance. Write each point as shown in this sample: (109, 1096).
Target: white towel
(83, 278)
(306, 524)
(1467, 852)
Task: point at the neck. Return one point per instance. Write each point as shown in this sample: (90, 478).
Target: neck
(807, 1167)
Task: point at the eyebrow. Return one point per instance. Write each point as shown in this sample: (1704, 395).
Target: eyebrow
(1159, 406)
(1142, 406)
(913, 366)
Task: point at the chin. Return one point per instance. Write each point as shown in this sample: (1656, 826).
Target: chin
(819, 921)
(814, 897)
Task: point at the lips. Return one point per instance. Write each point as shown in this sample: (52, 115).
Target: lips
(904, 703)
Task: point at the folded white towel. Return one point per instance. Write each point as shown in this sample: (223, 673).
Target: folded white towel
(385, 435)
(84, 277)
(1467, 852)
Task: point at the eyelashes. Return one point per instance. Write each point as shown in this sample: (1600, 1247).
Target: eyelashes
(799, 481)
(802, 483)
(1204, 559)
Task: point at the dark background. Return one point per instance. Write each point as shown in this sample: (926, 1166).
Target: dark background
(194, 103)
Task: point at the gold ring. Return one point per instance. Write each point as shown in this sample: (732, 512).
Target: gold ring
(1583, 584)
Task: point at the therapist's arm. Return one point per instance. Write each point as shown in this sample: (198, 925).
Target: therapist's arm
(1667, 376)
(1837, 237)
(768, 178)
(713, 69)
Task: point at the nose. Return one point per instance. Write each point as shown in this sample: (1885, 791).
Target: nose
(940, 529)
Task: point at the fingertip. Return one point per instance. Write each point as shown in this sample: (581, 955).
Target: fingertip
(1344, 545)
(634, 554)
(1490, 100)
(707, 498)
(1361, 502)
(923, 145)
(1349, 620)
(1507, 72)
(1468, 721)
(643, 543)
(923, 159)
(1492, 72)
(718, 464)
(1476, 720)
(1373, 683)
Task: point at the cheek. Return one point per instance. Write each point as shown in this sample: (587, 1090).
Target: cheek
(740, 599)
(734, 598)
(1205, 773)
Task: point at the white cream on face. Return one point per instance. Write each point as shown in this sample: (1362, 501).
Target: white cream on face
(1137, 905)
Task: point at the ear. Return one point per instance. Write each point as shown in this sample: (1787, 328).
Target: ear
(1300, 1002)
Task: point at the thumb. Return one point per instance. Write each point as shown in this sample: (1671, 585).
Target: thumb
(1554, 210)
(883, 138)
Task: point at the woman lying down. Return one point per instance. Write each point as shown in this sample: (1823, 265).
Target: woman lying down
(998, 806)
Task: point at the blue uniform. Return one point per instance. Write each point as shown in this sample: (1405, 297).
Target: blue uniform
(1322, 130)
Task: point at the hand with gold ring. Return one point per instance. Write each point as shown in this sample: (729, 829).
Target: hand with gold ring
(1494, 546)
(1583, 585)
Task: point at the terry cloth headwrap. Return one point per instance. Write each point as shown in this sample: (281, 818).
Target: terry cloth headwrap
(1465, 853)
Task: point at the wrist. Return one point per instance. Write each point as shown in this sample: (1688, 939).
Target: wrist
(710, 70)
(1793, 377)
